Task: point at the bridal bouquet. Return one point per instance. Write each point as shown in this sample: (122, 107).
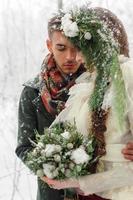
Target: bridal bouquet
(62, 152)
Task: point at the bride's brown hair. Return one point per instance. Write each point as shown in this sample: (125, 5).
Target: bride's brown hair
(99, 117)
(116, 27)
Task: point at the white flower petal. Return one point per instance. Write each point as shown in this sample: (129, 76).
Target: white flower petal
(66, 135)
(50, 149)
(48, 170)
(79, 156)
(87, 36)
(69, 27)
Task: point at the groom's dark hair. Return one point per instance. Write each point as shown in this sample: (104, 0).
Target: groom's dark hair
(54, 23)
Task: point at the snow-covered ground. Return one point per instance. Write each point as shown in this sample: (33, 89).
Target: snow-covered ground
(23, 27)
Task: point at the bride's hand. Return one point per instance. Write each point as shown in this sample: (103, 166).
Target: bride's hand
(61, 184)
(128, 151)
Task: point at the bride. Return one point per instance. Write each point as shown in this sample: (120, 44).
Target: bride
(101, 102)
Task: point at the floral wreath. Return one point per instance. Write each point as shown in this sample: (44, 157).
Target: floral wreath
(95, 40)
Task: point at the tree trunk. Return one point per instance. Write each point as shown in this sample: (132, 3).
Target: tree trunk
(60, 4)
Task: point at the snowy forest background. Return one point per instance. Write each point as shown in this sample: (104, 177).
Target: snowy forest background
(23, 31)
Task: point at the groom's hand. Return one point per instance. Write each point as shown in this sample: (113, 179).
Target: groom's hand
(128, 151)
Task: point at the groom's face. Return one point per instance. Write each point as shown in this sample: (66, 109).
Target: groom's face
(66, 55)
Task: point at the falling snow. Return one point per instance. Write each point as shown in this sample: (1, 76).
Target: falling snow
(23, 27)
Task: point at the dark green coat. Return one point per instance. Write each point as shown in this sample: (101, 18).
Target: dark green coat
(33, 115)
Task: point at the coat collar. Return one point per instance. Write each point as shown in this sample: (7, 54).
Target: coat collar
(41, 108)
(34, 82)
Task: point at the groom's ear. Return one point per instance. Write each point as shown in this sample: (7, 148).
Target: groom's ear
(49, 45)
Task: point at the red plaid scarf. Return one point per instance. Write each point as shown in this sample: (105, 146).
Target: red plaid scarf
(55, 86)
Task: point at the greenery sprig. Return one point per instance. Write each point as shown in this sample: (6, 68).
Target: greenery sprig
(98, 51)
(101, 54)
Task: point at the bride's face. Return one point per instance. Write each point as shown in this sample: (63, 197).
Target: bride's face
(81, 59)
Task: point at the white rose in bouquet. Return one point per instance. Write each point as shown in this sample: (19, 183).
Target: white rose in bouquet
(66, 135)
(50, 149)
(48, 170)
(79, 156)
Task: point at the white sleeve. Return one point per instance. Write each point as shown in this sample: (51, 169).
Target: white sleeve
(118, 177)
(76, 108)
(127, 71)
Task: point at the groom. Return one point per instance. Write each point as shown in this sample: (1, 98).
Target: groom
(41, 101)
